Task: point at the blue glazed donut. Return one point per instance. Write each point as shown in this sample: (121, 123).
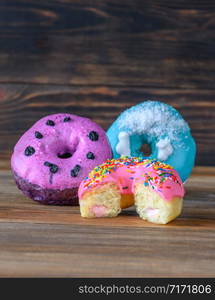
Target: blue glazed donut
(162, 128)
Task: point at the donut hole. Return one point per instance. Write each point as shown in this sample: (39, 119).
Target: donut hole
(146, 149)
(64, 155)
(65, 150)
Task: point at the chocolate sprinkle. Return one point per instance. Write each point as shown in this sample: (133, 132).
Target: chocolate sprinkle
(50, 123)
(67, 119)
(38, 135)
(75, 171)
(29, 151)
(52, 167)
(47, 164)
(93, 135)
(90, 155)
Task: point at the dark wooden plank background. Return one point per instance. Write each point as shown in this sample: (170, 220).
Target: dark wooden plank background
(96, 58)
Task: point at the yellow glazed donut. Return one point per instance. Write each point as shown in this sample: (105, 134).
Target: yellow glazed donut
(155, 189)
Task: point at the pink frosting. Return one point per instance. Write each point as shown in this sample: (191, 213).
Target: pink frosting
(64, 137)
(161, 177)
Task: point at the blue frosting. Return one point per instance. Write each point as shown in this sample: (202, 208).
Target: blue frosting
(162, 128)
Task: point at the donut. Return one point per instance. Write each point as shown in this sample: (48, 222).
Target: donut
(162, 128)
(52, 158)
(154, 187)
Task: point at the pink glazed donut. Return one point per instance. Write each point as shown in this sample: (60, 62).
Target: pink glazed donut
(52, 158)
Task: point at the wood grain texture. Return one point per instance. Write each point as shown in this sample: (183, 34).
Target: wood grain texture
(142, 43)
(38, 240)
(96, 58)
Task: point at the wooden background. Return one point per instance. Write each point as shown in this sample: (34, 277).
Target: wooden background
(96, 58)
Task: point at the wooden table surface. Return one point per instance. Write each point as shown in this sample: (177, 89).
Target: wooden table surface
(38, 240)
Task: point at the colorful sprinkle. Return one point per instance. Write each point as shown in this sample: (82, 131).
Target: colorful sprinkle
(163, 171)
